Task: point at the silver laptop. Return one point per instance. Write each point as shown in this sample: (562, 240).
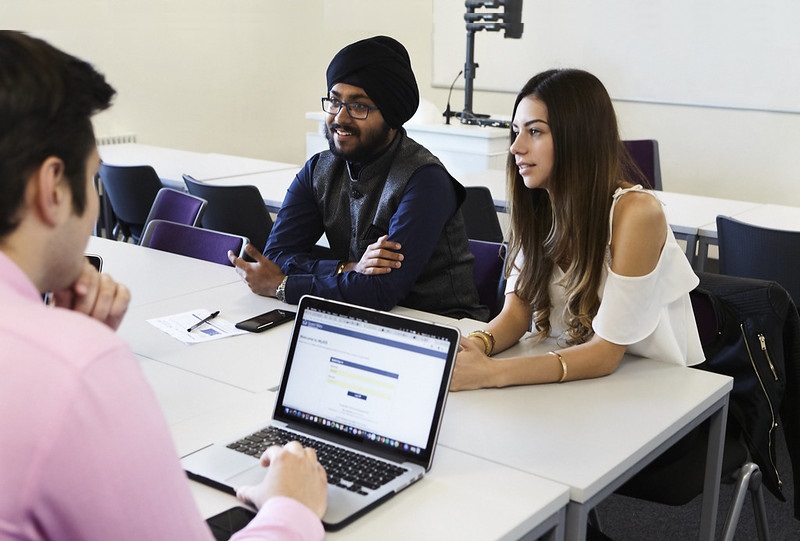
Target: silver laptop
(371, 382)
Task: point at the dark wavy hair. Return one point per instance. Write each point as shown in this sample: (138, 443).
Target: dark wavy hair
(569, 224)
(47, 99)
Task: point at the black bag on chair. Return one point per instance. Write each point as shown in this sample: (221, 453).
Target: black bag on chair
(748, 346)
(750, 330)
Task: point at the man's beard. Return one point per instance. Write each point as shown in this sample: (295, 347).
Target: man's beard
(369, 147)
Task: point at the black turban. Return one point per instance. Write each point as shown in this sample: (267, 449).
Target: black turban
(381, 66)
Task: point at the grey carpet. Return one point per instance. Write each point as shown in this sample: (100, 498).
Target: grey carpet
(629, 519)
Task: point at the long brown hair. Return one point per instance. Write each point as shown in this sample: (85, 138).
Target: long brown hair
(569, 224)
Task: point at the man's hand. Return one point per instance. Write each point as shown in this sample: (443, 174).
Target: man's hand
(263, 276)
(293, 472)
(379, 258)
(96, 295)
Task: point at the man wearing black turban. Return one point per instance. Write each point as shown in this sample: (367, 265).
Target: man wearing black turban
(388, 207)
(381, 67)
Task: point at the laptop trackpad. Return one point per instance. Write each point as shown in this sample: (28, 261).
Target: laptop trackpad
(251, 476)
(220, 464)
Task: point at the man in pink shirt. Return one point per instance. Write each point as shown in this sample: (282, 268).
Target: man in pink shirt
(84, 450)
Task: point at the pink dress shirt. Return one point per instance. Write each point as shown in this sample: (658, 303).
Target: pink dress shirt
(85, 452)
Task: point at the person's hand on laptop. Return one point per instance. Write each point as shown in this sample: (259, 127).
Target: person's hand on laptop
(293, 472)
(96, 295)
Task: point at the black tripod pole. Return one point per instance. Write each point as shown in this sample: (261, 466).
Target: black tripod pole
(467, 116)
(469, 73)
(475, 23)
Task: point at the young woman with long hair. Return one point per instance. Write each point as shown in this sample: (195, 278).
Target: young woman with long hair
(592, 263)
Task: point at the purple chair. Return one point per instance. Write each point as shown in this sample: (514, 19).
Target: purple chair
(177, 206)
(193, 241)
(488, 273)
(644, 153)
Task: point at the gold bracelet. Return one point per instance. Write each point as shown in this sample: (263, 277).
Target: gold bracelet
(488, 341)
(340, 268)
(483, 339)
(563, 365)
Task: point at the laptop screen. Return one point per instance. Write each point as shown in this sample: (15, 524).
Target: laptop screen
(373, 377)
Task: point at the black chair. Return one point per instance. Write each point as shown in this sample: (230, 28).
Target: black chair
(730, 313)
(190, 241)
(751, 251)
(480, 216)
(239, 210)
(644, 153)
(488, 272)
(131, 191)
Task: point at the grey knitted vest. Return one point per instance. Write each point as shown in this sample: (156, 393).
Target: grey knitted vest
(357, 211)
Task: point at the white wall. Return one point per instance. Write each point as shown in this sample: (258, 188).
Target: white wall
(237, 76)
(728, 53)
(231, 76)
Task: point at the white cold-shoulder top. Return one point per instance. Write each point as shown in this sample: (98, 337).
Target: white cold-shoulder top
(651, 314)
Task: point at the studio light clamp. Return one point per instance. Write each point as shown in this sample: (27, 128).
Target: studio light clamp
(510, 22)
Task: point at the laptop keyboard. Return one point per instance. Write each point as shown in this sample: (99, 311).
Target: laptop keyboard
(347, 469)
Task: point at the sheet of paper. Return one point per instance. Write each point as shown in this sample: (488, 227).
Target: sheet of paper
(177, 326)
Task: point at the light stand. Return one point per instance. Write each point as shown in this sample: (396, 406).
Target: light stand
(511, 24)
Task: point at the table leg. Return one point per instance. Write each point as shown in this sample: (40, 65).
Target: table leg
(702, 252)
(716, 444)
(691, 246)
(577, 518)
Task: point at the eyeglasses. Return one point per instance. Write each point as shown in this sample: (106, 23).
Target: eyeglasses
(359, 111)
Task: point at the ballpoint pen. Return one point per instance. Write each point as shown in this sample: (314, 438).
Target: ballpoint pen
(204, 320)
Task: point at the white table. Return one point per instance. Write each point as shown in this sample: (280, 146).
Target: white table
(182, 284)
(592, 435)
(164, 284)
(765, 215)
(689, 216)
(153, 275)
(246, 166)
(171, 164)
(191, 402)
(252, 361)
(192, 385)
(687, 213)
(771, 216)
(452, 502)
(462, 497)
(202, 406)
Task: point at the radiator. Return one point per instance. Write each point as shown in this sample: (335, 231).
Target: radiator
(116, 139)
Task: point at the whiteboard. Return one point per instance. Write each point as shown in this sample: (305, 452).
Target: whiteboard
(715, 53)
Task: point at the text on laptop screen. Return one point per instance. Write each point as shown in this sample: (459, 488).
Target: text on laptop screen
(365, 379)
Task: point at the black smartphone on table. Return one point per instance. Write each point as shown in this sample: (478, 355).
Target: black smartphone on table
(267, 320)
(227, 523)
(96, 261)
